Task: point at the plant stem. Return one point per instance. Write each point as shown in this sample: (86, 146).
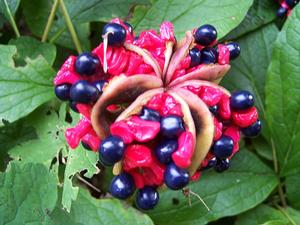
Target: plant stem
(70, 26)
(87, 183)
(275, 162)
(12, 20)
(50, 21)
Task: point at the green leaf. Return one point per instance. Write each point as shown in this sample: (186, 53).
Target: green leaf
(28, 194)
(81, 12)
(247, 183)
(293, 215)
(100, 10)
(23, 89)
(245, 72)
(262, 214)
(32, 48)
(261, 12)
(89, 211)
(12, 5)
(78, 160)
(263, 148)
(283, 95)
(49, 128)
(10, 136)
(224, 15)
(292, 184)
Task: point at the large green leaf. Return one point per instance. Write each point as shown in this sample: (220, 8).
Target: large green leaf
(28, 194)
(10, 136)
(249, 70)
(87, 210)
(293, 215)
(49, 128)
(261, 12)
(223, 14)
(50, 141)
(261, 215)
(22, 89)
(247, 183)
(292, 184)
(78, 160)
(32, 48)
(81, 12)
(283, 95)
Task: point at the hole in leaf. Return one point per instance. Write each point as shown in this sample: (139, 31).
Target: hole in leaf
(68, 117)
(175, 201)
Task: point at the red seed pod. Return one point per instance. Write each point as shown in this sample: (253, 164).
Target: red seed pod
(245, 118)
(153, 73)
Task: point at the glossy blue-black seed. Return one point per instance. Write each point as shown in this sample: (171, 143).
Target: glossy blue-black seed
(99, 85)
(234, 50)
(86, 146)
(84, 92)
(253, 130)
(195, 55)
(223, 147)
(122, 186)
(282, 12)
(150, 114)
(116, 34)
(175, 178)
(213, 109)
(130, 28)
(211, 163)
(209, 55)
(111, 150)
(146, 198)
(72, 105)
(87, 64)
(171, 126)
(206, 35)
(164, 150)
(222, 165)
(62, 91)
(240, 100)
(291, 3)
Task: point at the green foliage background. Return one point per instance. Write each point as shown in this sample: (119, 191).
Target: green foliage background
(42, 181)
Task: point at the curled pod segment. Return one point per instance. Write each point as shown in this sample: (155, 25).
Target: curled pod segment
(121, 89)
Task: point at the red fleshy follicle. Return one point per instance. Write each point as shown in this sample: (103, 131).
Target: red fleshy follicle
(167, 32)
(84, 109)
(92, 140)
(196, 176)
(67, 74)
(74, 135)
(224, 55)
(141, 164)
(143, 130)
(245, 118)
(234, 133)
(156, 102)
(122, 129)
(165, 104)
(182, 156)
(211, 96)
(170, 106)
(195, 90)
(224, 107)
(218, 129)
